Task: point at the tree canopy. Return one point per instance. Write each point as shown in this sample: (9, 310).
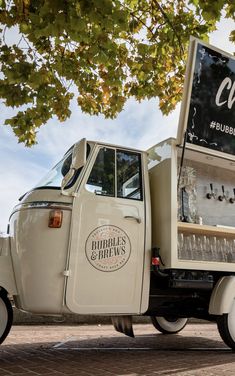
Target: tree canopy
(101, 51)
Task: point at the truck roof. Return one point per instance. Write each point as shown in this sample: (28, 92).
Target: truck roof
(110, 145)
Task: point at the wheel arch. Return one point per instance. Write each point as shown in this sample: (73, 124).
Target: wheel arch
(3, 291)
(7, 275)
(222, 296)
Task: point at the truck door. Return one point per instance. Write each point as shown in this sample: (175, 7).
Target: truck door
(108, 236)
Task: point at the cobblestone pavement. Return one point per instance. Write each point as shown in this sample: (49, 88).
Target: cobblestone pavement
(59, 350)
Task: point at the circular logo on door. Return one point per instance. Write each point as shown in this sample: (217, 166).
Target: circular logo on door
(108, 248)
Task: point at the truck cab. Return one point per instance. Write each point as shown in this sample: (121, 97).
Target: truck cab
(92, 261)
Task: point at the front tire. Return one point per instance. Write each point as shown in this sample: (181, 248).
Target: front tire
(6, 316)
(226, 327)
(169, 325)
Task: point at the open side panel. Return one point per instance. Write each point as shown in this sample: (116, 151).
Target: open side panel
(193, 228)
(207, 241)
(207, 109)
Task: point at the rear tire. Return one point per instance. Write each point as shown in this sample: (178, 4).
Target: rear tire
(169, 325)
(226, 327)
(6, 316)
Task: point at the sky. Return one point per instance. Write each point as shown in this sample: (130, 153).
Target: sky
(139, 125)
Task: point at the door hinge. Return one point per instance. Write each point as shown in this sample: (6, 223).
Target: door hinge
(67, 273)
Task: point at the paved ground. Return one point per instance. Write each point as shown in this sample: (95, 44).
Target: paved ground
(99, 350)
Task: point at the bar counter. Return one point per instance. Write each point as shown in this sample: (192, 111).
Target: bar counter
(193, 228)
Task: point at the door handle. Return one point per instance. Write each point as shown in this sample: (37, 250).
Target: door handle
(137, 219)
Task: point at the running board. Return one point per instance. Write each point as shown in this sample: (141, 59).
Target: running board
(123, 324)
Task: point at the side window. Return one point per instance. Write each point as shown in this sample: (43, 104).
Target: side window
(102, 177)
(129, 184)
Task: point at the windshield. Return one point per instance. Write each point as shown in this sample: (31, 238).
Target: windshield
(55, 176)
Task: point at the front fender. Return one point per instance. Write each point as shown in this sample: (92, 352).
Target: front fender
(222, 296)
(7, 278)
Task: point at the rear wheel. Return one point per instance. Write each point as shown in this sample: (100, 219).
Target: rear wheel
(169, 325)
(6, 316)
(226, 327)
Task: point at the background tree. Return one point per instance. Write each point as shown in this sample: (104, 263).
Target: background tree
(102, 51)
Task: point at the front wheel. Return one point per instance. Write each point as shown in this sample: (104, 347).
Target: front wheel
(6, 316)
(169, 325)
(226, 327)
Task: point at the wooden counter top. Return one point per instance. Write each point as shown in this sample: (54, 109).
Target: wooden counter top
(194, 228)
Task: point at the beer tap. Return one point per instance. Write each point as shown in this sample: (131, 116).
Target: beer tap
(212, 193)
(232, 199)
(222, 197)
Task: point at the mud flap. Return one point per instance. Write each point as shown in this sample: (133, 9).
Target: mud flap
(123, 324)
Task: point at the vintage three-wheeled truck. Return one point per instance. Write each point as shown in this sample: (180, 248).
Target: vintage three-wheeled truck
(120, 232)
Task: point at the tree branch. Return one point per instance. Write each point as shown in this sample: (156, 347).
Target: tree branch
(142, 22)
(171, 25)
(132, 13)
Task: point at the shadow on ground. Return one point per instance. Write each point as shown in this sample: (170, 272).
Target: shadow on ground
(116, 355)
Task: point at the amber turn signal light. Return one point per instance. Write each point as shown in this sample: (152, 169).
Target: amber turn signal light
(55, 218)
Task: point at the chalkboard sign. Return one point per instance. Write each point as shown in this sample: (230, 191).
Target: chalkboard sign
(211, 112)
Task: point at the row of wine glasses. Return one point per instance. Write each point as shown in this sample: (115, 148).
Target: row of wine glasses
(206, 248)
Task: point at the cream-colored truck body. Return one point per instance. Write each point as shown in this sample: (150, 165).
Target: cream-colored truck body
(99, 260)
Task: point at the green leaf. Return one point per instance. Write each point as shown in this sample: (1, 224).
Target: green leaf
(105, 50)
